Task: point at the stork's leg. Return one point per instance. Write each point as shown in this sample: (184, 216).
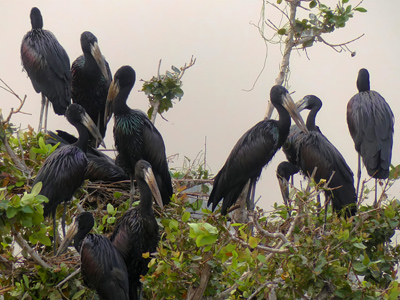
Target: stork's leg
(376, 192)
(140, 291)
(45, 114)
(132, 191)
(358, 176)
(327, 200)
(54, 232)
(319, 204)
(251, 194)
(43, 102)
(63, 218)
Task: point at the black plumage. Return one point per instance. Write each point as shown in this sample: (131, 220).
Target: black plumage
(137, 230)
(313, 150)
(47, 65)
(102, 266)
(100, 166)
(135, 136)
(283, 173)
(63, 171)
(91, 78)
(253, 151)
(371, 125)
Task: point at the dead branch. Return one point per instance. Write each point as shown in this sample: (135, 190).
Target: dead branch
(24, 245)
(267, 233)
(197, 293)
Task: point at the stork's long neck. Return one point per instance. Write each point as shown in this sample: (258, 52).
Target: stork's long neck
(283, 123)
(146, 197)
(120, 106)
(83, 138)
(311, 119)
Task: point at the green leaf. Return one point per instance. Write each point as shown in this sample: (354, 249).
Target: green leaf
(37, 188)
(117, 195)
(203, 240)
(282, 31)
(26, 280)
(185, 216)
(261, 258)
(313, 4)
(11, 212)
(253, 242)
(360, 246)
(110, 209)
(345, 1)
(78, 294)
(360, 9)
(359, 267)
(27, 198)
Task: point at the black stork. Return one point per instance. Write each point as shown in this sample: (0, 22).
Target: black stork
(371, 121)
(314, 150)
(102, 266)
(137, 230)
(63, 172)
(91, 78)
(283, 173)
(135, 136)
(253, 151)
(47, 65)
(100, 166)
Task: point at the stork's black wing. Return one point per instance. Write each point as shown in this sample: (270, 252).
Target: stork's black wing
(246, 160)
(48, 67)
(104, 269)
(371, 123)
(62, 174)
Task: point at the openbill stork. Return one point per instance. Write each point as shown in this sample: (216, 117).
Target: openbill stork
(102, 266)
(47, 65)
(63, 172)
(371, 125)
(135, 136)
(253, 151)
(313, 150)
(137, 231)
(91, 79)
(101, 167)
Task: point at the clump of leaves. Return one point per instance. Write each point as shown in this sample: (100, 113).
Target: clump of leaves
(163, 89)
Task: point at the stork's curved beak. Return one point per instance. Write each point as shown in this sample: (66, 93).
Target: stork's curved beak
(72, 231)
(302, 104)
(94, 131)
(112, 94)
(96, 53)
(291, 108)
(152, 183)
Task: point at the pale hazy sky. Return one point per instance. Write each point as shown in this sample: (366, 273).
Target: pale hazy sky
(230, 54)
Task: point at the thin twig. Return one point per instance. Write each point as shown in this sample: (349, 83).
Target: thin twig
(68, 277)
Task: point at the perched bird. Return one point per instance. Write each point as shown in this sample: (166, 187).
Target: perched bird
(63, 172)
(102, 266)
(253, 151)
(371, 121)
(136, 232)
(91, 78)
(47, 65)
(135, 136)
(101, 167)
(313, 150)
(283, 173)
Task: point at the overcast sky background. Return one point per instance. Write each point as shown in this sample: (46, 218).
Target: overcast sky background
(229, 56)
